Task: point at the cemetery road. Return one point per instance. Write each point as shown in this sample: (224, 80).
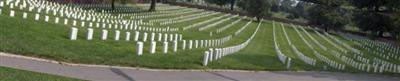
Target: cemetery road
(98, 73)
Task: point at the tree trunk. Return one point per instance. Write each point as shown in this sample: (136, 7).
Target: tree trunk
(232, 4)
(153, 5)
(112, 5)
(258, 18)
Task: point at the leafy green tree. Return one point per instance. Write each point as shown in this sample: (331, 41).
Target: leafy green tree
(153, 5)
(325, 17)
(257, 8)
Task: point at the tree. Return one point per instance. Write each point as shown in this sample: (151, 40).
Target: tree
(325, 17)
(113, 5)
(218, 2)
(257, 8)
(153, 5)
(286, 5)
(232, 4)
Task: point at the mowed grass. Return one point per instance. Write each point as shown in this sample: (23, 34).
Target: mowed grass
(9, 74)
(51, 41)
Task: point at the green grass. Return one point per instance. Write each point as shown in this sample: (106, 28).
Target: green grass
(9, 74)
(51, 41)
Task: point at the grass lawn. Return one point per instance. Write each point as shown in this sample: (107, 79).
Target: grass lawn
(51, 41)
(9, 74)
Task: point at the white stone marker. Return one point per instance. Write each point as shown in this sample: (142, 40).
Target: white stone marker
(74, 23)
(159, 37)
(165, 37)
(83, 24)
(37, 16)
(190, 44)
(144, 37)
(201, 43)
(153, 47)
(24, 15)
(104, 35)
(171, 37)
(137, 36)
(12, 13)
(153, 35)
(57, 20)
(175, 46)
(288, 63)
(211, 51)
(165, 50)
(196, 44)
(183, 44)
(65, 21)
(117, 34)
(74, 33)
(205, 59)
(90, 34)
(46, 18)
(128, 36)
(139, 48)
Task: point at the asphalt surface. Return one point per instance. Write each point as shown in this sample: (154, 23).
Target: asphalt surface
(128, 74)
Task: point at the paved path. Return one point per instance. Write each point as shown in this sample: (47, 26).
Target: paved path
(101, 73)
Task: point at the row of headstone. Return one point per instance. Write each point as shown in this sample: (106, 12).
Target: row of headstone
(342, 43)
(217, 23)
(175, 29)
(209, 55)
(193, 13)
(330, 42)
(242, 28)
(205, 22)
(190, 18)
(153, 47)
(219, 30)
(329, 62)
(380, 49)
(144, 36)
(282, 57)
(314, 40)
(302, 38)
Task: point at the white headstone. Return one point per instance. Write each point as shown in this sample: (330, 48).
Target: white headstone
(171, 37)
(183, 44)
(190, 44)
(175, 46)
(74, 33)
(128, 36)
(57, 20)
(153, 47)
(211, 51)
(90, 34)
(144, 37)
(117, 34)
(37, 16)
(12, 13)
(159, 37)
(165, 50)
(83, 24)
(153, 35)
(137, 36)
(139, 48)
(205, 59)
(196, 44)
(74, 23)
(104, 35)
(46, 18)
(288, 63)
(165, 37)
(65, 21)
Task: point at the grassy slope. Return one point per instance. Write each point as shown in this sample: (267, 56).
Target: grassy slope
(8, 74)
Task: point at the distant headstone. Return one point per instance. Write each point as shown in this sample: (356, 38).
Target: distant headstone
(90, 34)
(175, 46)
(128, 35)
(117, 34)
(37, 16)
(153, 47)
(137, 36)
(139, 48)
(74, 33)
(205, 59)
(12, 13)
(165, 50)
(104, 35)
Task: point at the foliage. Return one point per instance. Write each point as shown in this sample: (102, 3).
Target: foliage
(257, 8)
(325, 17)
